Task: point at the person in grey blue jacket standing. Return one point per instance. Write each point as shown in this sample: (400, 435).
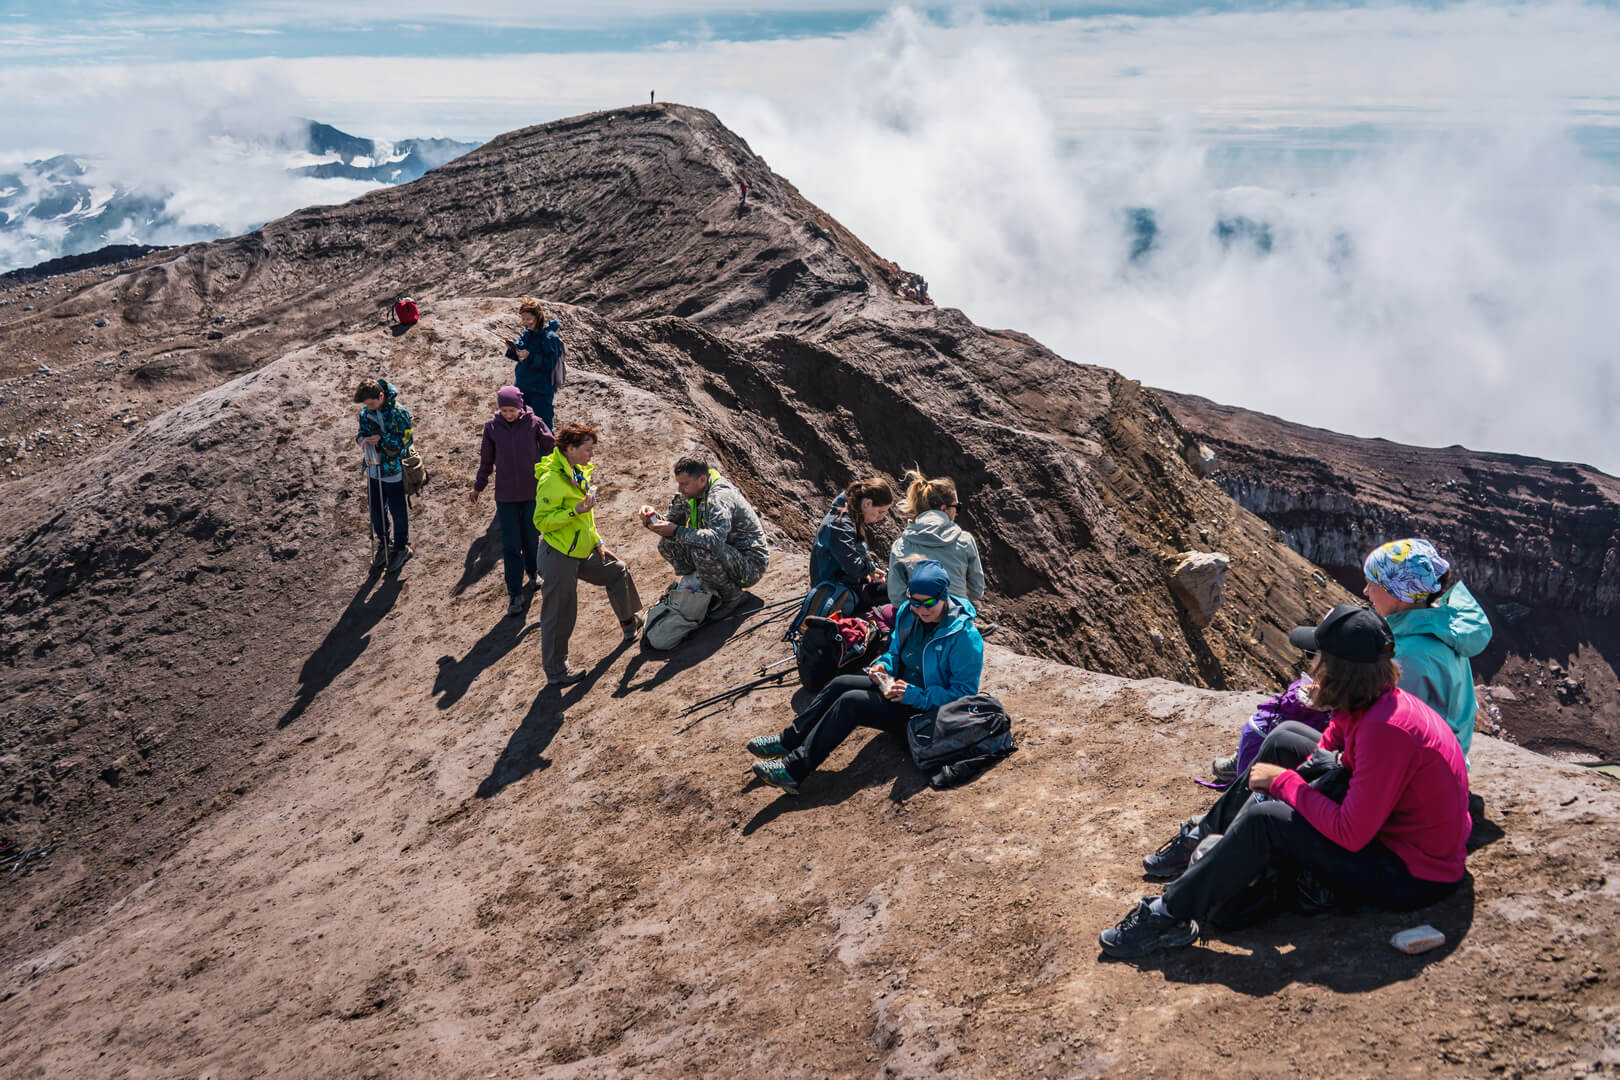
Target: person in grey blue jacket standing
(935, 656)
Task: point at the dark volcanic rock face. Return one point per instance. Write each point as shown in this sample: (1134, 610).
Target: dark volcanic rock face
(1539, 541)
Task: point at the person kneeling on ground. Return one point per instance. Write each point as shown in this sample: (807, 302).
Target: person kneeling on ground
(1398, 838)
(385, 437)
(839, 553)
(565, 514)
(515, 440)
(712, 532)
(935, 657)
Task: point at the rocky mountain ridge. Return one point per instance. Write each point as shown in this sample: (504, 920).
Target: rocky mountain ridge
(310, 820)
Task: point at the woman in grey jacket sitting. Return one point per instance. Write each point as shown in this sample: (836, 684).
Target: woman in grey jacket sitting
(934, 534)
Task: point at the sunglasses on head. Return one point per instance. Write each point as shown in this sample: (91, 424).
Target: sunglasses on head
(925, 602)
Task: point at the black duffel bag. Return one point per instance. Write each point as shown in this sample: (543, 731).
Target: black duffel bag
(960, 740)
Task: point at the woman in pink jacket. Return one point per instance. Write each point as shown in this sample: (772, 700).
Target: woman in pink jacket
(1398, 836)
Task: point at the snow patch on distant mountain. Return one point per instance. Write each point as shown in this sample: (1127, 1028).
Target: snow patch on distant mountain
(70, 204)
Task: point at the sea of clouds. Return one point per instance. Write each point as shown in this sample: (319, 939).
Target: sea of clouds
(1379, 220)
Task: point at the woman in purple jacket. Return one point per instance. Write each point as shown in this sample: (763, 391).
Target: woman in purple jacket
(515, 440)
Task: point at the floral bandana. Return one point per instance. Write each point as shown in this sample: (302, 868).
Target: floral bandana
(1409, 570)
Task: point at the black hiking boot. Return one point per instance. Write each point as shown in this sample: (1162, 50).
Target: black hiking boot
(517, 605)
(1172, 860)
(397, 560)
(380, 559)
(721, 609)
(569, 677)
(1142, 932)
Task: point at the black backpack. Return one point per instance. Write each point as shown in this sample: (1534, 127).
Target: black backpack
(960, 740)
(823, 654)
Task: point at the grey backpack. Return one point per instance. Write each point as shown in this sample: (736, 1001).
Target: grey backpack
(958, 741)
(672, 620)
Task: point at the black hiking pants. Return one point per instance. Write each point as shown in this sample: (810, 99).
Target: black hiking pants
(520, 543)
(390, 496)
(1259, 835)
(846, 703)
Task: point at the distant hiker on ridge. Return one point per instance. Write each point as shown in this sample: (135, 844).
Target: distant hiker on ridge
(565, 514)
(384, 437)
(538, 351)
(839, 553)
(515, 440)
(935, 657)
(1374, 809)
(711, 531)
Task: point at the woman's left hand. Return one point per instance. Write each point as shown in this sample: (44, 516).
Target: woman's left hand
(897, 690)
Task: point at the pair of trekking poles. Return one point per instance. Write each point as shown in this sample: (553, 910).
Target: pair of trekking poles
(768, 614)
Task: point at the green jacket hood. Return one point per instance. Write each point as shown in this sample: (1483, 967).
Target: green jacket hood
(1455, 619)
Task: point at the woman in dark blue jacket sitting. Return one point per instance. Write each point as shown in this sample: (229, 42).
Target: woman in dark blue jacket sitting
(935, 656)
(840, 554)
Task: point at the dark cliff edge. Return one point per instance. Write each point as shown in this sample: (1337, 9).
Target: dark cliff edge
(1538, 541)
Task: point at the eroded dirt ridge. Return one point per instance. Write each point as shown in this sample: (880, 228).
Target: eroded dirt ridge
(310, 825)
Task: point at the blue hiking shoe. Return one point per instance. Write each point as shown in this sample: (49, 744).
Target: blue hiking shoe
(775, 774)
(767, 747)
(1142, 932)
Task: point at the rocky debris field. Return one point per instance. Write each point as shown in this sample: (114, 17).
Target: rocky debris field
(281, 817)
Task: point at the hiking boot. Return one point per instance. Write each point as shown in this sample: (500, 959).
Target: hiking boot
(632, 626)
(569, 677)
(768, 747)
(1224, 769)
(380, 559)
(1172, 860)
(987, 628)
(531, 583)
(720, 609)
(517, 605)
(397, 560)
(1142, 932)
(776, 775)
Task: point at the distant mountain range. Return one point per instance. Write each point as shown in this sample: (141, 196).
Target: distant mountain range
(70, 204)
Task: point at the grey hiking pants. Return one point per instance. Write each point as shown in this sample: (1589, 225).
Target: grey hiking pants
(725, 573)
(560, 576)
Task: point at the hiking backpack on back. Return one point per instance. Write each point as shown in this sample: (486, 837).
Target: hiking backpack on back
(405, 311)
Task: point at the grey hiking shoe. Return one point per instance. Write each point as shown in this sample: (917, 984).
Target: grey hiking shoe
(1142, 932)
(632, 626)
(1224, 769)
(768, 747)
(721, 609)
(397, 560)
(569, 677)
(1171, 860)
(776, 775)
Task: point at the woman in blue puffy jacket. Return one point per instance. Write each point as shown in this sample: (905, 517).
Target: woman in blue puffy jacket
(539, 370)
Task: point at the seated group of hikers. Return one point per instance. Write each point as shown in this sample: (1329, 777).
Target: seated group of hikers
(1350, 785)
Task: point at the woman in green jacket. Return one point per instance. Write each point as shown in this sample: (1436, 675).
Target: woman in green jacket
(1438, 626)
(564, 512)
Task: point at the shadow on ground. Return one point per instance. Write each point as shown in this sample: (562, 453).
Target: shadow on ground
(345, 642)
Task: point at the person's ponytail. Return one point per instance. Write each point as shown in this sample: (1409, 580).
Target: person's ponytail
(875, 488)
(923, 494)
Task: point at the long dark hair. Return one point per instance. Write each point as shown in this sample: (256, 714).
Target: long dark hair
(875, 488)
(1446, 582)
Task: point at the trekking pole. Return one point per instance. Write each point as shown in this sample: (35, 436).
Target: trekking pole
(779, 663)
(735, 691)
(773, 617)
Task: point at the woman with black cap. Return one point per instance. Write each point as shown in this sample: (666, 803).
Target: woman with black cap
(1397, 838)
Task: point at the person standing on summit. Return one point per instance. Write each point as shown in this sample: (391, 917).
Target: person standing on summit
(538, 352)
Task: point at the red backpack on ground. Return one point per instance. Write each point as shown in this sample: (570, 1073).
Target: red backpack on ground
(405, 312)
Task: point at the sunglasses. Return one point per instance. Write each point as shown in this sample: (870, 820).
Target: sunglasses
(924, 603)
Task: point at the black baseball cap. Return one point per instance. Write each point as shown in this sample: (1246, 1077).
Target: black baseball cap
(1349, 632)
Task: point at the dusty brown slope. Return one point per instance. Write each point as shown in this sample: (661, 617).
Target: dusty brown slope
(438, 867)
(1538, 541)
(161, 583)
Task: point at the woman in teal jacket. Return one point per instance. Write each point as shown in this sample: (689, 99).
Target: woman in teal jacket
(1438, 625)
(935, 656)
